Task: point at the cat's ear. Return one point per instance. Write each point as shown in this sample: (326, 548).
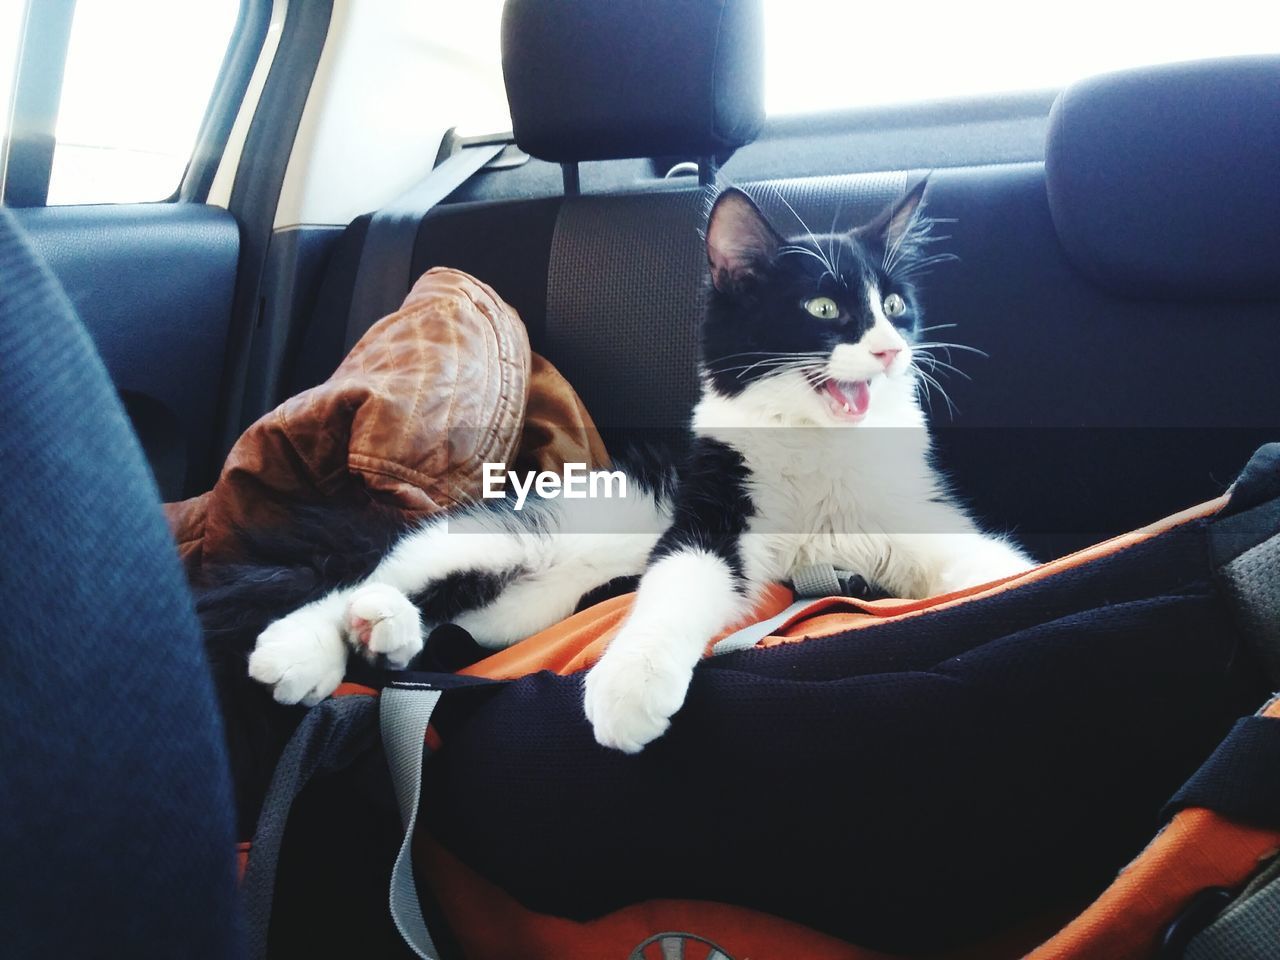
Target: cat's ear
(740, 241)
(896, 221)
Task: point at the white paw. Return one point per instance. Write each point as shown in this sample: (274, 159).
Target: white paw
(382, 620)
(302, 657)
(632, 693)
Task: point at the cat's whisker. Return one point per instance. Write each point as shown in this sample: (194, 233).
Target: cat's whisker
(775, 353)
(769, 358)
(790, 368)
(928, 347)
(921, 265)
(831, 237)
(942, 391)
(805, 226)
(931, 382)
(773, 365)
(917, 235)
(833, 253)
(938, 326)
(770, 367)
(902, 242)
(816, 254)
(931, 344)
(923, 393)
(927, 352)
(935, 363)
(777, 357)
(743, 366)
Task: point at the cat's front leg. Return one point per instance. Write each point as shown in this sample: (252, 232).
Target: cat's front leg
(685, 598)
(303, 656)
(962, 561)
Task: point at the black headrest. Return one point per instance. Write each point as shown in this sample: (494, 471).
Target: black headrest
(1165, 182)
(608, 79)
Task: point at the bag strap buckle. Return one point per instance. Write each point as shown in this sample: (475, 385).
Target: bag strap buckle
(1203, 909)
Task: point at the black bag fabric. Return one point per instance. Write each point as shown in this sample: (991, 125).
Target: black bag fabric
(979, 765)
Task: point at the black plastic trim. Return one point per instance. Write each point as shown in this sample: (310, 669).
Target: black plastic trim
(256, 193)
(296, 262)
(247, 38)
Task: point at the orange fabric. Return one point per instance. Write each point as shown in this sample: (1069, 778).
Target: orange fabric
(242, 859)
(576, 643)
(347, 689)
(1198, 849)
(491, 925)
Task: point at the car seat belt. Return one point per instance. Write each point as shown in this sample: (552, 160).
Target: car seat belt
(384, 273)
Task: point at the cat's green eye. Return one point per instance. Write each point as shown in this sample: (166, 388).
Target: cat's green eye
(894, 306)
(824, 308)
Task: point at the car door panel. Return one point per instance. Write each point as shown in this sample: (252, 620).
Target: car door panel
(153, 284)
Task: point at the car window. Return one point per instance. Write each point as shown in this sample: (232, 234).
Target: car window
(831, 54)
(823, 55)
(139, 75)
(467, 42)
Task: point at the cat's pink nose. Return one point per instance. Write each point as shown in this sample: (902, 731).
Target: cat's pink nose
(886, 357)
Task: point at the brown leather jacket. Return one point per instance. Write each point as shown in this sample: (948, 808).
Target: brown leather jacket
(407, 421)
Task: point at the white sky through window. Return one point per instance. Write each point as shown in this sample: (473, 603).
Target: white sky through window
(139, 72)
(834, 54)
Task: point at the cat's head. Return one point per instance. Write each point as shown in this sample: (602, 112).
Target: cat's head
(819, 326)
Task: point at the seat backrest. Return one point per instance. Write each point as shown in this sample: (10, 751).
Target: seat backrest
(1107, 398)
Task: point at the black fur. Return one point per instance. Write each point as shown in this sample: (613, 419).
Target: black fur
(712, 508)
(607, 591)
(279, 569)
(457, 593)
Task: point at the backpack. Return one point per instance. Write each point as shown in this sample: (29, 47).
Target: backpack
(1080, 761)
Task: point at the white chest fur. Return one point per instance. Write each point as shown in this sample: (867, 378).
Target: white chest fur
(864, 498)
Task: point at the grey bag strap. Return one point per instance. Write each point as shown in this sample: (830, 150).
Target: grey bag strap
(752, 634)
(404, 713)
(385, 271)
(810, 583)
(1249, 929)
(817, 580)
(330, 736)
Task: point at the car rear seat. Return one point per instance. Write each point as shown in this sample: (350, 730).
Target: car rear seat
(1128, 376)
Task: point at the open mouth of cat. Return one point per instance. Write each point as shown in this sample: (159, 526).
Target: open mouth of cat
(847, 399)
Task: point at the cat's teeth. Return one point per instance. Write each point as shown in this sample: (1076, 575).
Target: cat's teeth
(848, 399)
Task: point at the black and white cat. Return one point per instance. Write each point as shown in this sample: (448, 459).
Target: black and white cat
(809, 447)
